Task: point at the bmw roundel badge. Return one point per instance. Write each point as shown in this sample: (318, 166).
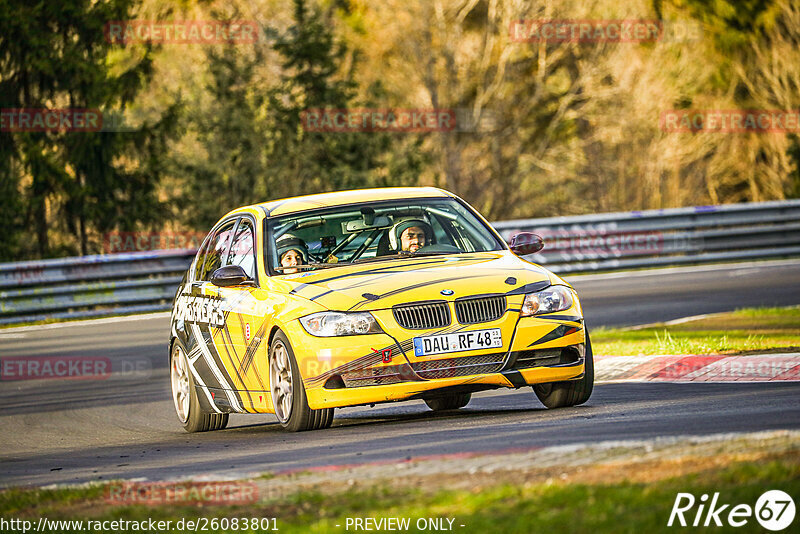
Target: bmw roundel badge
(447, 292)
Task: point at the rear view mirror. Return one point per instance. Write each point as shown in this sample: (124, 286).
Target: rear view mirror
(525, 243)
(230, 275)
(380, 221)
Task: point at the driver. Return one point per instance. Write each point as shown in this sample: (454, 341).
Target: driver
(410, 235)
(292, 251)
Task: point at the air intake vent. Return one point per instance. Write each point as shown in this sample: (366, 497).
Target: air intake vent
(463, 366)
(471, 310)
(422, 315)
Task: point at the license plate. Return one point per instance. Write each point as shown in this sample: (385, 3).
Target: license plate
(460, 341)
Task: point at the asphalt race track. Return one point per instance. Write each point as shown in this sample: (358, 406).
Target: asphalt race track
(57, 431)
(641, 297)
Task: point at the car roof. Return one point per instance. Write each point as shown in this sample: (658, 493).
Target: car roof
(339, 198)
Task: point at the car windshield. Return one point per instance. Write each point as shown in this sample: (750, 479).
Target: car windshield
(392, 230)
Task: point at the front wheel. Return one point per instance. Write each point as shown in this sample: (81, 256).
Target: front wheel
(288, 394)
(570, 392)
(184, 396)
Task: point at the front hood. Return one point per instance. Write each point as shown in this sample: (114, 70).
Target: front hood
(381, 285)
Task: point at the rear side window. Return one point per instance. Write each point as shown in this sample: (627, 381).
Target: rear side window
(241, 252)
(214, 252)
(198, 264)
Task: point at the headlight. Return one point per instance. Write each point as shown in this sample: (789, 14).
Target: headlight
(552, 299)
(329, 324)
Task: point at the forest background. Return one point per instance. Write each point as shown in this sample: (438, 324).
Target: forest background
(543, 128)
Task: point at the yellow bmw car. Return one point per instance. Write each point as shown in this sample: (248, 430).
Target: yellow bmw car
(299, 306)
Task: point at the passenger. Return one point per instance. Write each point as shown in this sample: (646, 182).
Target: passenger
(292, 251)
(410, 235)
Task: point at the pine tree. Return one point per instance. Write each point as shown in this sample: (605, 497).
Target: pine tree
(317, 161)
(56, 55)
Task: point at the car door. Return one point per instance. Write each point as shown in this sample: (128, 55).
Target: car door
(204, 310)
(242, 338)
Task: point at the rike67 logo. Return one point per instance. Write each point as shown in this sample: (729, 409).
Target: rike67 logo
(774, 510)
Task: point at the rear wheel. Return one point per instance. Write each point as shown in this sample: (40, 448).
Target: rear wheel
(288, 394)
(449, 402)
(571, 392)
(184, 396)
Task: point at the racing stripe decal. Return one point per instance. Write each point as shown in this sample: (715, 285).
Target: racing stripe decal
(571, 318)
(529, 288)
(328, 292)
(194, 358)
(250, 353)
(557, 332)
(229, 346)
(369, 282)
(409, 288)
(226, 387)
(358, 364)
(201, 366)
(405, 267)
(515, 377)
(213, 346)
(227, 382)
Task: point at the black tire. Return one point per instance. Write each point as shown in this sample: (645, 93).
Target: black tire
(191, 416)
(448, 402)
(217, 421)
(571, 392)
(298, 417)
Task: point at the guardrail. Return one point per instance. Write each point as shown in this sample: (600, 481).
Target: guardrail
(654, 238)
(113, 284)
(90, 286)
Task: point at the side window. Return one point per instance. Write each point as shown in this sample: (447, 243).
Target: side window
(242, 253)
(198, 266)
(215, 251)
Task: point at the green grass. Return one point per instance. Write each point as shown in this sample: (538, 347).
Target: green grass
(755, 329)
(541, 507)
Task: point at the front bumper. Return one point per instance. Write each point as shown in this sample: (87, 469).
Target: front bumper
(334, 398)
(357, 370)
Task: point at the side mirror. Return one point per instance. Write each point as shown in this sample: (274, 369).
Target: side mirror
(525, 243)
(230, 275)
